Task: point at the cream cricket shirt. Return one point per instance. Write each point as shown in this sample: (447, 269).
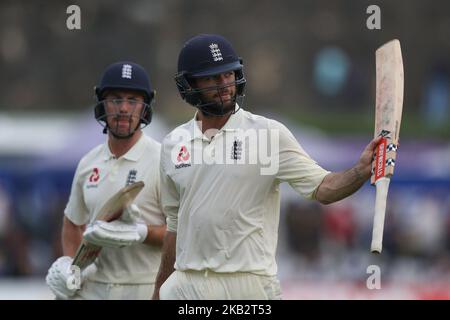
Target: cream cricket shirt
(98, 176)
(222, 197)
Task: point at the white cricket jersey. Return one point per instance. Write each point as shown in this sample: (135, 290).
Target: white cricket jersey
(99, 175)
(223, 204)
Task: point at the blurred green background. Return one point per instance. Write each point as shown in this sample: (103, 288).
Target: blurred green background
(311, 60)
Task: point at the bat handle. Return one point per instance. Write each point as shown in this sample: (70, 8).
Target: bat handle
(382, 187)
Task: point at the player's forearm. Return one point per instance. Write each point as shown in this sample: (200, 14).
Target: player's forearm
(339, 185)
(71, 237)
(167, 261)
(155, 235)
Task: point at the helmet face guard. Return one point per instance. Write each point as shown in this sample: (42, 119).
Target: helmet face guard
(194, 96)
(102, 116)
(124, 76)
(203, 56)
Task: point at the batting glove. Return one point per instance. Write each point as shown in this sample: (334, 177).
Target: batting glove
(118, 233)
(64, 279)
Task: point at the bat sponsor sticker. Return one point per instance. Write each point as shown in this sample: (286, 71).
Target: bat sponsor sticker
(380, 159)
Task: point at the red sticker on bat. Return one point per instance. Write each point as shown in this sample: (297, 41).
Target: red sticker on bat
(380, 159)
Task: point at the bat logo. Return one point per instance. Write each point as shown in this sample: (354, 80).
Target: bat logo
(390, 162)
(391, 147)
(385, 134)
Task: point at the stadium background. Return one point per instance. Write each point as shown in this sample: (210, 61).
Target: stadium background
(309, 64)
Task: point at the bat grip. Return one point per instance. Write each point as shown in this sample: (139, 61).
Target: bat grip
(382, 187)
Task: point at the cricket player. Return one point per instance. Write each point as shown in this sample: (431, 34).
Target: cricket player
(128, 263)
(223, 209)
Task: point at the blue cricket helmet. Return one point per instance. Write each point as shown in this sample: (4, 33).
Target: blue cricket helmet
(125, 75)
(207, 55)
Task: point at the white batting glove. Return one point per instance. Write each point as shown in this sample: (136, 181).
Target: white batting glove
(118, 233)
(132, 213)
(64, 279)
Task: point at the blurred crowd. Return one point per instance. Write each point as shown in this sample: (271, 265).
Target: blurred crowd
(333, 242)
(31, 208)
(316, 241)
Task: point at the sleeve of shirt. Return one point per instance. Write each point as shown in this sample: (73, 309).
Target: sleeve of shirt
(295, 166)
(76, 210)
(170, 198)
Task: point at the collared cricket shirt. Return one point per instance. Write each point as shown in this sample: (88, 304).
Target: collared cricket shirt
(99, 175)
(220, 191)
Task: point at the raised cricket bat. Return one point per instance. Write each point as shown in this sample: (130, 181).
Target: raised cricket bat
(111, 210)
(388, 116)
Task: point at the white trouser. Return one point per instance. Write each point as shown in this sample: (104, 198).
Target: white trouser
(108, 291)
(208, 285)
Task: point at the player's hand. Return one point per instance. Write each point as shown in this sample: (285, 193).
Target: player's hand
(63, 279)
(118, 233)
(364, 165)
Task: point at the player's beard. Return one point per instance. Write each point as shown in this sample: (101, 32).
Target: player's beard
(218, 108)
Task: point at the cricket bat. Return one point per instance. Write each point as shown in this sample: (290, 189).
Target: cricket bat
(111, 210)
(388, 116)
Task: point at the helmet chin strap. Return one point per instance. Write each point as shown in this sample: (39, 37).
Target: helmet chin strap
(214, 109)
(129, 135)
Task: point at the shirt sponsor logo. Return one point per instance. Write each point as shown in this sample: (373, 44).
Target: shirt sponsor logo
(183, 155)
(182, 165)
(94, 178)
